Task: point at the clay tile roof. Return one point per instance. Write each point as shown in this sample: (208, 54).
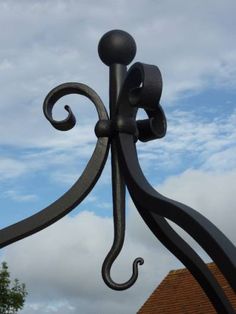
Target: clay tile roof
(180, 293)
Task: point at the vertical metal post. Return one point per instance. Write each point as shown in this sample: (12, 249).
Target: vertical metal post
(117, 49)
(117, 75)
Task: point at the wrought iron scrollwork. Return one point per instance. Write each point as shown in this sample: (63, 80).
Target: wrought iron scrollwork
(140, 87)
(83, 185)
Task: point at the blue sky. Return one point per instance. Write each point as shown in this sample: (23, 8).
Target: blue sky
(46, 43)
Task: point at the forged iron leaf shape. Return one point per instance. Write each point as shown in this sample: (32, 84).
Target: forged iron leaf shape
(140, 87)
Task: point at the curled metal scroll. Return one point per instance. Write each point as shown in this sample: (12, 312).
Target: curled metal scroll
(83, 185)
(154, 207)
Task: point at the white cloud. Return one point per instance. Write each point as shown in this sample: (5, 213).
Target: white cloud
(19, 197)
(192, 142)
(222, 160)
(212, 194)
(11, 168)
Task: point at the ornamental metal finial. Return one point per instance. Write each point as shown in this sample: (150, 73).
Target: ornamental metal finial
(139, 87)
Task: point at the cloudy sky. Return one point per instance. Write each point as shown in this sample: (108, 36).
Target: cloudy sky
(46, 43)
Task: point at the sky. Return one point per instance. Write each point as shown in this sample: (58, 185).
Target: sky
(46, 43)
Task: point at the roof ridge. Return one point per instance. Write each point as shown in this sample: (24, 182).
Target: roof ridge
(179, 270)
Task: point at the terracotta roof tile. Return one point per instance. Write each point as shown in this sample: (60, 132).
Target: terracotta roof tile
(180, 293)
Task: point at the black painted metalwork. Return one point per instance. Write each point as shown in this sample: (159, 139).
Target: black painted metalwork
(139, 87)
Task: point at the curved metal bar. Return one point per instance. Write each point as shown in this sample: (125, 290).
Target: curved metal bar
(175, 244)
(84, 184)
(153, 206)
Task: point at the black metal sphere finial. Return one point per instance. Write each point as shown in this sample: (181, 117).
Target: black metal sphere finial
(117, 46)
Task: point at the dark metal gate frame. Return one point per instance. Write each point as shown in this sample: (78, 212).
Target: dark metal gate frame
(139, 87)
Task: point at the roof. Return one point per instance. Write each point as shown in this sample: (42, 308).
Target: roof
(180, 293)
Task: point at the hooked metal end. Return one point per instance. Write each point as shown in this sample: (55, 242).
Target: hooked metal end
(106, 274)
